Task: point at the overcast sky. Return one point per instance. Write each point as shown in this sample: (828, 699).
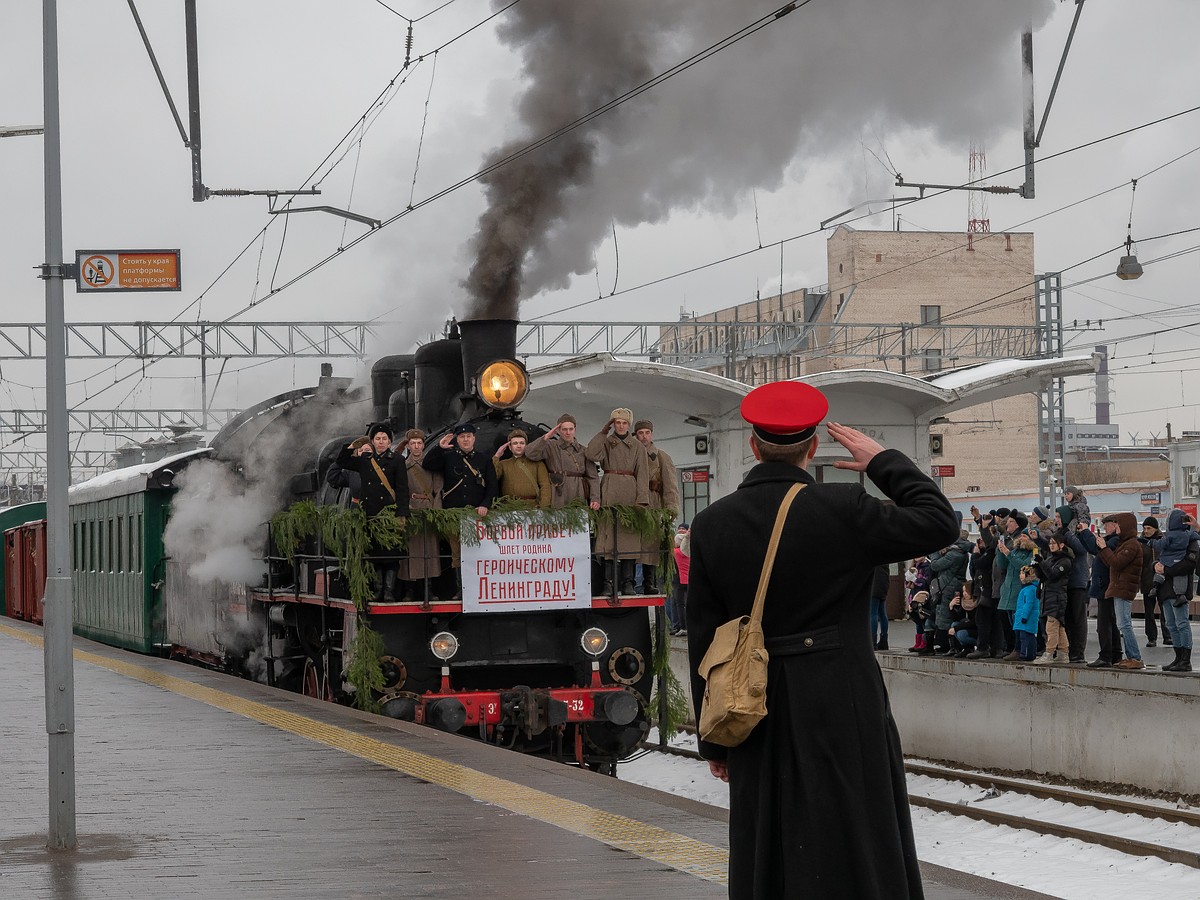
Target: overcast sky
(761, 142)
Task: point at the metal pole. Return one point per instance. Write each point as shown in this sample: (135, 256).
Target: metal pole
(199, 192)
(1030, 119)
(60, 676)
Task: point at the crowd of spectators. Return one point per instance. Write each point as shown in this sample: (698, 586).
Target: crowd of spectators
(1017, 587)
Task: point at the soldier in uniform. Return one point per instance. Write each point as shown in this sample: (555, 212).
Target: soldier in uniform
(519, 476)
(626, 482)
(468, 479)
(817, 800)
(572, 476)
(383, 482)
(664, 494)
(425, 492)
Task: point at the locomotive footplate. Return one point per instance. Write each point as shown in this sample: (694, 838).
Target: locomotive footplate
(531, 710)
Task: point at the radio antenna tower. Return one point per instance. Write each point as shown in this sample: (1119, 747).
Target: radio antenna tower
(977, 204)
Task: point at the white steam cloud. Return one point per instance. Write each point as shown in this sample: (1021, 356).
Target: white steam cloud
(217, 529)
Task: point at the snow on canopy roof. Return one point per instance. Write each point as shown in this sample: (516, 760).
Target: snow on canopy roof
(130, 479)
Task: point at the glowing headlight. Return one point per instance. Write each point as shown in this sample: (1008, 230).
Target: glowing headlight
(502, 384)
(444, 645)
(594, 641)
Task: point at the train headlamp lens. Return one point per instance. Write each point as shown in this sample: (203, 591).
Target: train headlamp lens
(444, 645)
(594, 641)
(503, 384)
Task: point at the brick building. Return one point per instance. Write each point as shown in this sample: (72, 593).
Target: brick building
(917, 303)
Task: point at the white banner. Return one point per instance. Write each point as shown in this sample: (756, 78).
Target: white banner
(526, 565)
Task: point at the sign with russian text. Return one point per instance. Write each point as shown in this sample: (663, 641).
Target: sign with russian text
(127, 270)
(1149, 498)
(942, 471)
(519, 566)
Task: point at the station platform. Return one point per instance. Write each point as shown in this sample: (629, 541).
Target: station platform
(191, 783)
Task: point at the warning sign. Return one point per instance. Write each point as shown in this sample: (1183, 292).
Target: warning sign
(127, 270)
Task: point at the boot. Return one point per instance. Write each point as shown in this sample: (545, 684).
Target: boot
(609, 566)
(649, 580)
(882, 644)
(389, 586)
(377, 593)
(1185, 664)
(457, 585)
(627, 577)
(918, 644)
(1173, 665)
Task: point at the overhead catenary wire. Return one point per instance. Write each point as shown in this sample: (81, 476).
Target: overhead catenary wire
(712, 50)
(377, 105)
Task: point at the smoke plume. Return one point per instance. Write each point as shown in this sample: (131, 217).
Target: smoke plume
(804, 87)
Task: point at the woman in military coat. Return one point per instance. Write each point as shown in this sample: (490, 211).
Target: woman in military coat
(384, 482)
(818, 805)
(626, 482)
(424, 492)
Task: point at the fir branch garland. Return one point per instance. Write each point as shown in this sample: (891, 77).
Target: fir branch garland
(365, 671)
(677, 703)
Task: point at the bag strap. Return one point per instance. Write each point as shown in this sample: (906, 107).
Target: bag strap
(769, 563)
(387, 485)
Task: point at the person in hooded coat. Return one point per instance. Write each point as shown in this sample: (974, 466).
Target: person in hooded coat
(950, 566)
(817, 800)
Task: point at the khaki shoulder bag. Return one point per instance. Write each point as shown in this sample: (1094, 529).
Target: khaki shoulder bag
(735, 666)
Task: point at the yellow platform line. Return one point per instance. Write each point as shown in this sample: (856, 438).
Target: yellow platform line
(641, 838)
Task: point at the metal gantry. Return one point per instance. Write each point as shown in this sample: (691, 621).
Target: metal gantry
(120, 421)
(190, 340)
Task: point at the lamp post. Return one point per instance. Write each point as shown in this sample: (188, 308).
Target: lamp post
(59, 673)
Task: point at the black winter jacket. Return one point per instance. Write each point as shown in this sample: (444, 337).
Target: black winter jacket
(1055, 575)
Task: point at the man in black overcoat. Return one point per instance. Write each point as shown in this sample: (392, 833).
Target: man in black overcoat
(817, 800)
(469, 480)
(383, 481)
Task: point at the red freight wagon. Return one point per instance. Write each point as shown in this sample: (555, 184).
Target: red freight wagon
(25, 571)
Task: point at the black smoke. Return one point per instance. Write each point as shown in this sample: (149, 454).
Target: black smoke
(805, 87)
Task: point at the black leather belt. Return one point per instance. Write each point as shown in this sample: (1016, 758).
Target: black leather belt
(806, 642)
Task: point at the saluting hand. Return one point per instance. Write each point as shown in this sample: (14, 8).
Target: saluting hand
(861, 447)
(500, 451)
(553, 431)
(446, 441)
(608, 426)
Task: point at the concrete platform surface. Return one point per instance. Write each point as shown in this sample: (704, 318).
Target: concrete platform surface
(194, 784)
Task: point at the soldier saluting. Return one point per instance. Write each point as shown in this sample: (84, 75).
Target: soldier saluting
(626, 482)
(572, 476)
(383, 482)
(817, 800)
(468, 478)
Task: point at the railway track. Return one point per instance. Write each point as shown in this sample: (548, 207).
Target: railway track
(1180, 850)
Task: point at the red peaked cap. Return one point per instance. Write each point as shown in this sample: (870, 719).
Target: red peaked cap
(785, 412)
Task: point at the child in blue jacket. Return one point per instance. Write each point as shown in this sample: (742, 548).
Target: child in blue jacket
(1026, 615)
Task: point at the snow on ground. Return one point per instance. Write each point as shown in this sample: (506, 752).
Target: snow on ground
(1060, 868)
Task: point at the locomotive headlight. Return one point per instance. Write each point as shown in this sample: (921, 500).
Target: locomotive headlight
(444, 645)
(502, 384)
(594, 641)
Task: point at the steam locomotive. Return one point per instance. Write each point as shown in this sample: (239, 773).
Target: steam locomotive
(567, 683)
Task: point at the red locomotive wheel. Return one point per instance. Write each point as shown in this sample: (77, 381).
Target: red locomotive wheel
(314, 684)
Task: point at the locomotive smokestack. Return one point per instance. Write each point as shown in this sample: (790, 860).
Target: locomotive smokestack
(485, 341)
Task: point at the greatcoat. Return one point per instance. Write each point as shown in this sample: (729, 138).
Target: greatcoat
(374, 495)
(572, 476)
(817, 799)
(524, 479)
(626, 482)
(664, 494)
(424, 557)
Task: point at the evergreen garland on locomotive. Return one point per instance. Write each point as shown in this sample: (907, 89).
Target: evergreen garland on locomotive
(569, 683)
